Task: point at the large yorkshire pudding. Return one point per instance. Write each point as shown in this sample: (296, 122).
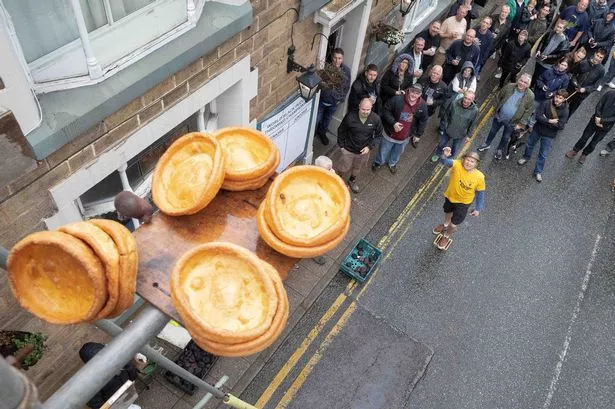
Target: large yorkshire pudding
(307, 206)
(249, 153)
(291, 250)
(188, 175)
(225, 290)
(127, 249)
(251, 184)
(57, 277)
(257, 344)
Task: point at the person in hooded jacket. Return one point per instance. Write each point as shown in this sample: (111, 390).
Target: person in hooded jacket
(551, 117)
(551, 80)
(514, 56)
(459, 118)
(396, 80)
(435, 91)
(601, 35)
(404, 117)
(365, 86)
(458, 53)
(464, 81)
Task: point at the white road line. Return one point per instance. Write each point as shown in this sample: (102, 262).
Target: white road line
(575, 314)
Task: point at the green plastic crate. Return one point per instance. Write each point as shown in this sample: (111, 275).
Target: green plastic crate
(361, 261)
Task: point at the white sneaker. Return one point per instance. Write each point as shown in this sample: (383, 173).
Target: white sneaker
(538, 177)
(611, 85)
(599, 88)
(604, 152)
(522, 161)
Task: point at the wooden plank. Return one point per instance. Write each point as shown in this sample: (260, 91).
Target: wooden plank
(230, 217)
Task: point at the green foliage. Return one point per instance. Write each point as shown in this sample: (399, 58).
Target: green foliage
(38, 343)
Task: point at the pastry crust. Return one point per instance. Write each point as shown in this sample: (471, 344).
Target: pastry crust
(251, 184)
(188, 175)
(291, 250)
(264, 341)
(307, 206)
(129, 261)
(107, 252)
(57, 277)
(250, 154)
(225, 291)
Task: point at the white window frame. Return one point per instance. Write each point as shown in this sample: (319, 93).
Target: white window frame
(232, 91)
(76, 64)
(412, 20)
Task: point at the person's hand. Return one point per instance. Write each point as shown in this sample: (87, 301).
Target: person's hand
(397, 127)
(466, 140)
(553, 121)
(598, 120)
(477, 42)
(518, 126)
(475, 213)
(430, 52)
(400, 92)
(446, 151)
(365, 150)
(582, 90)
(418, 73)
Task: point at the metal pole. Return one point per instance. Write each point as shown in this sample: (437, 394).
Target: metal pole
(111, 328)
(94, 68)
(12, 388)
(200, 404)
(86, 382)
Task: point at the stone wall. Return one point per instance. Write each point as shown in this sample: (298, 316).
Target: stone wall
(25, 201)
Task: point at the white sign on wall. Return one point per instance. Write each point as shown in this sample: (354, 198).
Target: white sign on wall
(289, 128)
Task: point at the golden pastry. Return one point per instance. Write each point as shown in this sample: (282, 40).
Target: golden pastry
(225, 289)
(188, 175)
(291, 250)
(127, 248)
(307, 206)
(262, 342)
(251, 184)
(249, 153)
(57, 277)
(107, 252)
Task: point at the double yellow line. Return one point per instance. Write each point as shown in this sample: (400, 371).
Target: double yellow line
(428, 188)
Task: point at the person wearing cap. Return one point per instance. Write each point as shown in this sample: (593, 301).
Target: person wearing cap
(404, 116)
(465, 185)
(458, 121)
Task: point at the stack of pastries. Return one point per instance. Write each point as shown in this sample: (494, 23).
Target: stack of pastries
(306, 212)
(81, 272)
(251, 158)
(231, 302)
(188, 175)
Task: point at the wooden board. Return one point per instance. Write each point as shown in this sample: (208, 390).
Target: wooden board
(229, 217)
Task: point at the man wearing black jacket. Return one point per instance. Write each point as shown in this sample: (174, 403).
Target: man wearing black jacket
(355, 137)
(404, 117)
(587, 81)
(458, 53)
(431, 35)
(435, 91)
(598, 126)
(551, 117)
(365, 86)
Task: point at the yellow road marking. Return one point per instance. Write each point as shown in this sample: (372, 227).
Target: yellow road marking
(305, 372)
(382, 244)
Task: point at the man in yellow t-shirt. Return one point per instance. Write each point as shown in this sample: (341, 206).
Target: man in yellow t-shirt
(466, 184)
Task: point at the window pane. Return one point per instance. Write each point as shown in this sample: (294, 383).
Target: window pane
(93, 14)
(105, 190)
(42, 26)
(122, 8)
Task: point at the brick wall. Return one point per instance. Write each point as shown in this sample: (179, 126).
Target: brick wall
(25, 201)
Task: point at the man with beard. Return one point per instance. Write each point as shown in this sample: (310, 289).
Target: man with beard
(403, 117)
(365, 86)
(431, 35)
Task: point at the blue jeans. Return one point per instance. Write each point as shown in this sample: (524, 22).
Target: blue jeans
(454, 143)
(390, 150)
(495, 127)
(323, 118)
(543, 152)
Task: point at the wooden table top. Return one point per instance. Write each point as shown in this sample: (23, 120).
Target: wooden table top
(230, 217)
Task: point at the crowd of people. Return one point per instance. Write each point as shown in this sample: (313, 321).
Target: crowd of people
(440, 71)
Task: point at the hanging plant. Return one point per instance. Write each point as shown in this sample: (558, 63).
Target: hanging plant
(387, 34)
(11, 342)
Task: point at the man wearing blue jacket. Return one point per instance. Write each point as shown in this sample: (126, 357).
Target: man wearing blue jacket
(330, 98)
(458, 53)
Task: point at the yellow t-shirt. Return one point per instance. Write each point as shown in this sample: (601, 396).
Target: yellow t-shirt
(463, 184)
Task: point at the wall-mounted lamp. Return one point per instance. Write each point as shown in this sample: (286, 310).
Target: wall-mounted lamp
(405, 6)
(308, 81)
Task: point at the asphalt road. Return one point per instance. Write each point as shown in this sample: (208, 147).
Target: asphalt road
(519, 313)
